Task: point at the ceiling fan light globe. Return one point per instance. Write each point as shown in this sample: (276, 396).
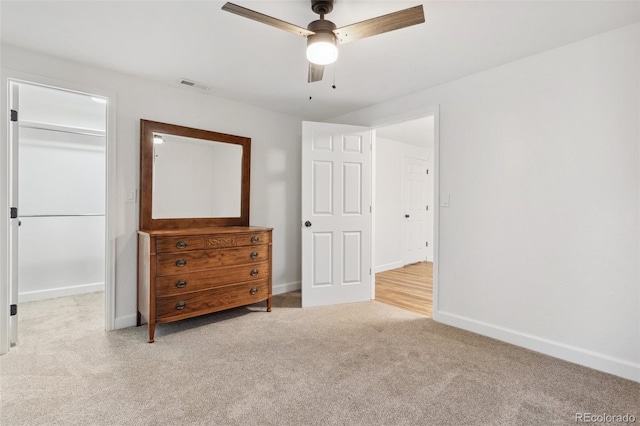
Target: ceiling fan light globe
(322, 49)
(322, 53)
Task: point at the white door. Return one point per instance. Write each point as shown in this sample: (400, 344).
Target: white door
(414, 198)
(14, 221)
(336, 214)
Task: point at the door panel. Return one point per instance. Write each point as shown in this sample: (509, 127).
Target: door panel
(352, 257)
(322, 252)
(336, 199)
(322, 188)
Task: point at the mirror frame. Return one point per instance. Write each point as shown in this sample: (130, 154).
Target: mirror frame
(147, 222)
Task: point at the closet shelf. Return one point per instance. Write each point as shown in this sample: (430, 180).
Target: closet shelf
(60, 128)
(63, 215)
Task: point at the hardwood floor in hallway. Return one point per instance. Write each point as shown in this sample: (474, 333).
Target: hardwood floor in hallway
(409, 287)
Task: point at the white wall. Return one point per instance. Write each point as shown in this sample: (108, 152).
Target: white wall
(540, 244)
(275, 187)
(389, 210)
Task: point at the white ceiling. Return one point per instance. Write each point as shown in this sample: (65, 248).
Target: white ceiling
(253, 63)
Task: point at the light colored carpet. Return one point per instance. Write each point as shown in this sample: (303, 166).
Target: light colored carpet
(356, 364)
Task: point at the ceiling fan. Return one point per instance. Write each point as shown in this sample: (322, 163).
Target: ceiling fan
(322, 35)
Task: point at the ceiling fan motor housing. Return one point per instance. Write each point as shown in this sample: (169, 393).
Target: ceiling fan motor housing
(323, 30)
(321, 26)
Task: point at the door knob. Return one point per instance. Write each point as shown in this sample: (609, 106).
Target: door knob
(307, 224)
(406, 215)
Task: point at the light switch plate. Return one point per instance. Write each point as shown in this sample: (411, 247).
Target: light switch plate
(132, 196)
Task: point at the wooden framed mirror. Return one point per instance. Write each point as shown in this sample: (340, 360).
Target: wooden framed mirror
(192, 178)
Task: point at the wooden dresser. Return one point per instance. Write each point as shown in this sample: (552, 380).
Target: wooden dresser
(184, 273)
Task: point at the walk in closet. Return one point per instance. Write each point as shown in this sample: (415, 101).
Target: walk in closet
(61, 193)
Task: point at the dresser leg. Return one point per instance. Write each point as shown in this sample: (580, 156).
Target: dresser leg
(152, 331)
(269, 304)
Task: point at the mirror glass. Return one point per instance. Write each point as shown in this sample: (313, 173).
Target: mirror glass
(195, 178)
(192, 178)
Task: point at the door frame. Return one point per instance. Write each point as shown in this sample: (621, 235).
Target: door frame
(9, 76)
(429, 111)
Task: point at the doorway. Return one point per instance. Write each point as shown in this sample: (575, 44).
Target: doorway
(404, 216)
(62, 245)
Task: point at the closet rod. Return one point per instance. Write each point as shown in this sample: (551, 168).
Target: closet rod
(62, 215)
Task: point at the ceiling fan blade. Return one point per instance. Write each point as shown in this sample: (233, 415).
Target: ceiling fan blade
(315, 72)
(266, 19)
(382, 24)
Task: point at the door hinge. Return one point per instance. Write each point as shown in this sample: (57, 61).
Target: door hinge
(14, 115)
(14, 212)
(427, 171)
(427, 244)
(370, 209)
(427, 208)
(13, 310)
(369, 271)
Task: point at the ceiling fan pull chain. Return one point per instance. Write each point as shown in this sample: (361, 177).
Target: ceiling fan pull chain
(334, 76)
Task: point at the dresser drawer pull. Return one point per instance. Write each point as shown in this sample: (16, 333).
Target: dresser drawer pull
(180, 263)
(254, 272)
(254, 254)
(253, 290)
(255, 239)
(181, 283)
(181, 305)
(181, 244)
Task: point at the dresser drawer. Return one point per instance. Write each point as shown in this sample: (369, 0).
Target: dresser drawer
(188, 282)
(254, 239)
(176, 244)
(191, 304)
(214, 241)
(191, 261)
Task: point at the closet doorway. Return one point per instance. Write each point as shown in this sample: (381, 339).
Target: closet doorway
(62, 193)
(404, 214)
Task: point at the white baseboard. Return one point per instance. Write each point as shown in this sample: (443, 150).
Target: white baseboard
(574, 354)
(126, 321)
(285, 288)
(429, 258)
(51, 293)
(388, 267)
